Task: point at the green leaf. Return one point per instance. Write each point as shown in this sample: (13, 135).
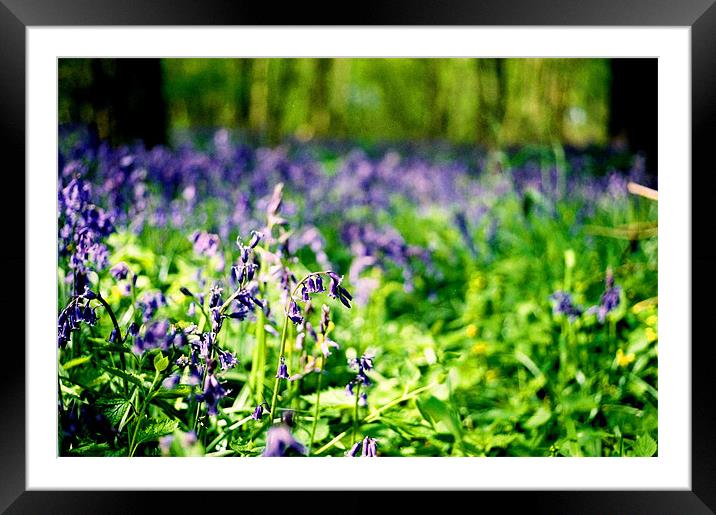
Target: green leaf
(644, 446)
(161, 362)
(116, 410)
(77, 361)
(540, 417)
(132, 378)
(434, 410)
(154, 430)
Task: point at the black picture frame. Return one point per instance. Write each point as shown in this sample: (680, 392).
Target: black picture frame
(17, 15)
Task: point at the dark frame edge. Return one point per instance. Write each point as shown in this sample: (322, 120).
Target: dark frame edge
(703, 112)
(702, 498)
(12, 150)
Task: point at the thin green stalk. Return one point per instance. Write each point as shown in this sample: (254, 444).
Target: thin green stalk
(132, 444)
(355, 413)
(278, 379)
(317, 408)
(122, 359)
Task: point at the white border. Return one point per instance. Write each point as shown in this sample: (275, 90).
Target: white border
(670, 470)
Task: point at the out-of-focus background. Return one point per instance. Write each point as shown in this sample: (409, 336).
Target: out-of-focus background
(492, 103)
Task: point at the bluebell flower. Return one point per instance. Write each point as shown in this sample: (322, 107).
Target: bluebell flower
(255, 239)
(294, 313)
(282, 369)
(279, 441)
(213, 391)
(258, 412)
(215, 296)
(227, 359)
(353, 452)
(369, 447)
(562, 304)
(205, 244)
(156, 336)
(119, 271)
(149, 303)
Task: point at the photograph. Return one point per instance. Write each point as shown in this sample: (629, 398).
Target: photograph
(357, 257)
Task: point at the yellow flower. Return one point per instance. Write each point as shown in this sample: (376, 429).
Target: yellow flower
(624, 359)
(479, 348)
(491, 375)
(651, 335)
(471, 331)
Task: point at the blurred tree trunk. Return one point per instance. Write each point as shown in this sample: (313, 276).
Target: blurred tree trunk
(633, 107)
(320, 102)
(123, 101)
(258, 110)
(139, 109)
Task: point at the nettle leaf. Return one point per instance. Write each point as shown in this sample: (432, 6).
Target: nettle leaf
(644, 446)
(154, 430)
(161, 362)
(116, 410)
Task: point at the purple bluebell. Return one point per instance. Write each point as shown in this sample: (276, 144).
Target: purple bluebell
(213, 391)
(280, 442)
(205, 244)
(119, 271)
(294, 313)
(156, 336)
(258, 412)
(562, 304)
(149, 303)
(282, 370)
(227, 359)
(369, 447)
(353, 452)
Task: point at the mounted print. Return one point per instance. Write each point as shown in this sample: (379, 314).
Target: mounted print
(357, 257)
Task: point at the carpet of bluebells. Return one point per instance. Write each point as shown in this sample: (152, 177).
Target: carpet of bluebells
(222, 299)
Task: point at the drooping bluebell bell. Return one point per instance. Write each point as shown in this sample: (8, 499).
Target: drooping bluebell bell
(119, 271)
(213, 390)
(609, 300)
(215, 296)
(280, 442)
(205, 244)
(282, 370)
(255, 239)
(294, 313)
(361, 365)
(369, 448)
(258, 412)
(353, 451)
(562, 304)
(227, 359)
(149, 303)
(156, 336)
